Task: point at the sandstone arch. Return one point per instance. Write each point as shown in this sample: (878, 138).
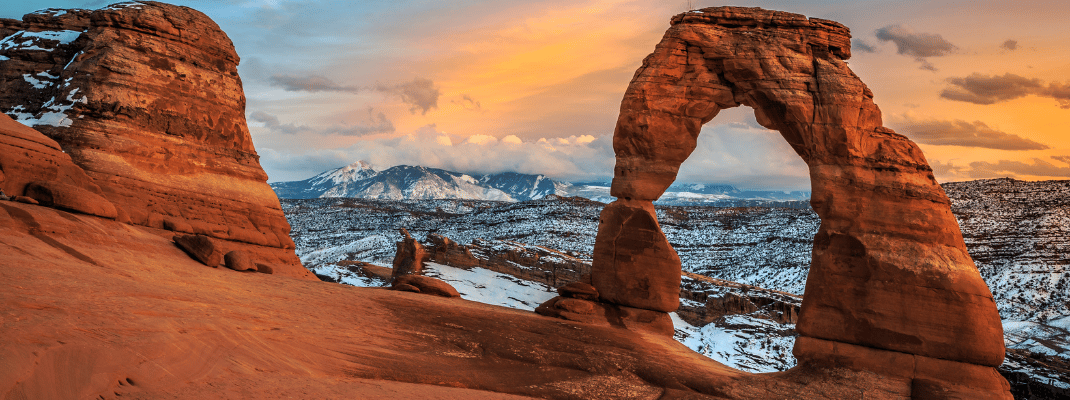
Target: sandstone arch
(890, 275)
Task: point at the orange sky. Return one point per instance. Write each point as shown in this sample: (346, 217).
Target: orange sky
(535, 86)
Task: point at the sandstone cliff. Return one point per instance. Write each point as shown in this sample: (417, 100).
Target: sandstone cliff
(145, 98)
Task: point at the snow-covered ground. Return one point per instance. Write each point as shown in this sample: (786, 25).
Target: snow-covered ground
(1015, 231)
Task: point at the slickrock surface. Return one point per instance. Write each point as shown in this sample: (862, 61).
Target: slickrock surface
(93, 308)
(890, 272)
(145, 97)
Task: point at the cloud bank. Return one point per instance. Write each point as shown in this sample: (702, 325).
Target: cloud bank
(992, 89)
(921, 46)
(740, 154)
(420, 94)
(376, 123)
(962, 133)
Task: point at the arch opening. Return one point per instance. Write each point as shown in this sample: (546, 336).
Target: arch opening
(889, 273)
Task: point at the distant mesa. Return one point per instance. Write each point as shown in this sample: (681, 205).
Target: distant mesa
(144, 100)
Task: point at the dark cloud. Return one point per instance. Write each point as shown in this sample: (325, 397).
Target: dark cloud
(468, 103)
(376, 123)
(984, 89)
(918, 45)
(420, 94)
(1002, 168)
(309, 83)
(1064, 159)
(862, 46)
(968, 134)
(1010, 44)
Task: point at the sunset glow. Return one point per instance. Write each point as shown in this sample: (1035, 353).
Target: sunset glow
(475, 86)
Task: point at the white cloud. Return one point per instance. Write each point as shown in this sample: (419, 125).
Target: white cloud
(740, 154)
(481, 139)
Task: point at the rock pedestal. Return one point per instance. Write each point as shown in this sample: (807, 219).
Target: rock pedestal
(409, 258)
(890, 270)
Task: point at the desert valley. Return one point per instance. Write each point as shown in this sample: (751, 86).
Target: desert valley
(143, 253)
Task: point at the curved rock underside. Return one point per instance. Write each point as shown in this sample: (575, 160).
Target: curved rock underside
(891, 288)
(145, 98)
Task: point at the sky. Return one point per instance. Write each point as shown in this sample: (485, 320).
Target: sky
(482, 86)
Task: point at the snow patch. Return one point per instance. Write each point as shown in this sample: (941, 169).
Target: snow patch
(36, 83)
(489, 287)
(126, 4)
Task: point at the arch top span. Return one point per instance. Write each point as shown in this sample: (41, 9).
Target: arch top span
(890, 271)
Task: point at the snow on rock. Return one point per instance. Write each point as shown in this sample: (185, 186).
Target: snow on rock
(741, 341)
(489, 287)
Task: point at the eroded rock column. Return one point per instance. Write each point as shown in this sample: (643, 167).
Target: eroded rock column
(891, 288)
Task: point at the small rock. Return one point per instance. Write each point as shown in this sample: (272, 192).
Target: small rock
(578, 290)
(575, 306)
(3, 196)
(427, 285)
(24, 199)
(201, 248)
(239, 261)
(405, 287)
(264, 269)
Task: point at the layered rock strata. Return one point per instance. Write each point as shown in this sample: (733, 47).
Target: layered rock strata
(145, 97)
(890, 278)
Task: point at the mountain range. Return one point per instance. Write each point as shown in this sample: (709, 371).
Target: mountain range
(404, 182)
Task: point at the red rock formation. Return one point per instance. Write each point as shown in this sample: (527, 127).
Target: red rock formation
(890, 271)
(532, 263)
(425, 285)
(26, 156)
(146, 99)
(409, 258)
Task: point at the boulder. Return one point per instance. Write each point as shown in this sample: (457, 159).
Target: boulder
(890, 270)
(201, 248)
(70, 197)
(404, 287)
(264, 269)
(239, 261)
(425, 285)
(578, 290)
(24, 199)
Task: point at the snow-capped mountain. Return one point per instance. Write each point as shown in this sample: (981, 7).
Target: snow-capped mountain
(360, 180)
(404, 182)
